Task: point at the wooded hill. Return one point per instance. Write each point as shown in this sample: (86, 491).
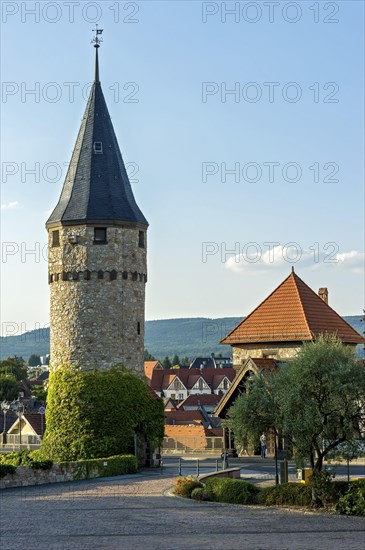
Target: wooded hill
(191, 337)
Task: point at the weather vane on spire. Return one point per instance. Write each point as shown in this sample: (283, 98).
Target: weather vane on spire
(96, 41)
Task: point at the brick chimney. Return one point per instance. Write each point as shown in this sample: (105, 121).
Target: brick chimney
(323, 294)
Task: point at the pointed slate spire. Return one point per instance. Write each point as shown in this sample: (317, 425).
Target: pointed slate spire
(97, 188)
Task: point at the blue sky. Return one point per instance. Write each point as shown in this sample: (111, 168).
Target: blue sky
(182, 140)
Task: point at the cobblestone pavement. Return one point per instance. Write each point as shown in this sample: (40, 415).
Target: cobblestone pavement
(136, 512)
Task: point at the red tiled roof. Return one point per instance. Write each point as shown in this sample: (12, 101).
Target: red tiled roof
(292, 312)
(161, 379)
(183, 417)
(149, 366)
(178, 432)
(35, 420)
(200, 399)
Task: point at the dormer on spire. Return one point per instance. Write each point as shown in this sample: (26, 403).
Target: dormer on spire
(96, 41)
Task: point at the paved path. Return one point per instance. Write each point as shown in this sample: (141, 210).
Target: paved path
(134, 512)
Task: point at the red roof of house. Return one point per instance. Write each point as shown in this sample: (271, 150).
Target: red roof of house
(149, 366)
(183, 417)
(152, 392)
(161, 379)
(292, 312)
(203, 399)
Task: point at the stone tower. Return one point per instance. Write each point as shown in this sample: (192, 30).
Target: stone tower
(97, 266)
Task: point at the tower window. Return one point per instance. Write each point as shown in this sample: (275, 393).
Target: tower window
(55, 238)
(98, 147)
(141, 243)
(100, 235)
(138, 328)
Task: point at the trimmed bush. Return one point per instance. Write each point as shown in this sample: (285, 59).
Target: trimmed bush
(296, 494)
(234, 491)
(185, 485)
(353, 502)
(107, 467)
(92, 414)
(6, 469)
(199, 494)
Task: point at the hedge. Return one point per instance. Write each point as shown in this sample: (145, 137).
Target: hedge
(186, 485)
(296, 494)
(92, 414)
(107, 467)
(234, 491)
(353, 502)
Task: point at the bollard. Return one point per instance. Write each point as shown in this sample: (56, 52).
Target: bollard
(216, 465)
(179, 466)
(197, 467)
(161, 465)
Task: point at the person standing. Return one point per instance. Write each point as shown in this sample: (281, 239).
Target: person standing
(263, 444)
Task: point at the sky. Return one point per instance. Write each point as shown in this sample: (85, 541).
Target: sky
(241, 124)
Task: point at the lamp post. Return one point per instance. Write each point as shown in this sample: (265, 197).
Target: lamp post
(5, 406)
(18, 408)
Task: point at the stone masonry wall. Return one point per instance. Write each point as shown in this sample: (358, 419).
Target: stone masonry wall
(281, 350)
(97, 298)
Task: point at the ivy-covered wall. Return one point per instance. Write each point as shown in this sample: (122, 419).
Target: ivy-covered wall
(93, 414)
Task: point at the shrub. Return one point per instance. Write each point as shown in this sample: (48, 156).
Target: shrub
(107, 467)
(353, 502)
(92, 414)
(296, 494)
(323, 489)
(185, 485)
(199, 494)
(6, 469)
(19, 458)
(234, 491)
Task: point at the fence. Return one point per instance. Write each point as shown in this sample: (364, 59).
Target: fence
(194, 444)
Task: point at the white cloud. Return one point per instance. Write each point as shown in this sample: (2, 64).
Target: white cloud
(11, 205)
(262, 258)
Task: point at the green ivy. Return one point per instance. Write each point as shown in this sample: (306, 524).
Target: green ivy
(106, 467)
(92, 414)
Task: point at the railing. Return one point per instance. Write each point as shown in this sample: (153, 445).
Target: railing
(196, 444)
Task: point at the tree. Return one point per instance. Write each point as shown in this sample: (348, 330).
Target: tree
(34, 360)
(176, 361)
(317, 401)
(185, 361)
(9, 389)
(166, 363)
(15, 366)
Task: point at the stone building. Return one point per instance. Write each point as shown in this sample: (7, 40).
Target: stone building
(97, 265)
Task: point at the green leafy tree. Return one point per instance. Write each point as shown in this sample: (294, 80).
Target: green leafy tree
(95, 414)
(14, 366)
(9, 388)
(317, 401)
(34, 360)
(185, 361)
(166, 363)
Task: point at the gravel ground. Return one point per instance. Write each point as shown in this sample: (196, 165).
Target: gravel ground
(137, 512)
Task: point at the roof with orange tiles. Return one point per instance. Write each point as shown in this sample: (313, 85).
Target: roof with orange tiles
(292, 312)
(161, 379)
(149, 366)
(177, 431)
